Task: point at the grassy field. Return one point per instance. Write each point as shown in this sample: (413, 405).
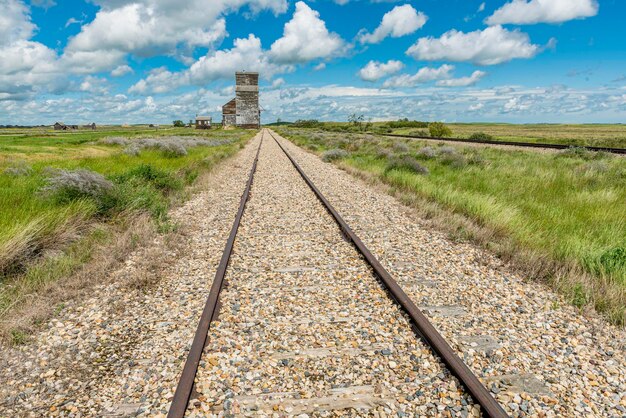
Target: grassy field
(56, 188)
(591, 135)
(613, 136)
(561, 216)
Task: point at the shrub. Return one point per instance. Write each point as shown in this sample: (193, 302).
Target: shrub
(406, 163)
(426, 152)
(450, 156)
(481, 136)
(172, 149)
(593, 167)
(162, 180)
(406, 123)
(307, 123)
(400, 147)
(577, 152)
(175, 145)
(179, 123)
(474, 158)
(68, 185)
(613, 259)
(447, 150)
(383, 153)
(334, 154)
(114, 140)
(454, 160)
(439, 130)
(421, 133)
(18, 170)
(133, 150)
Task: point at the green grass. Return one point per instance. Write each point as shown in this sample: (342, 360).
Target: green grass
(568, 207)
(607, 135)
(33, 222)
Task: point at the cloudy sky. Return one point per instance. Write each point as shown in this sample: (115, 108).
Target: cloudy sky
(141, 61)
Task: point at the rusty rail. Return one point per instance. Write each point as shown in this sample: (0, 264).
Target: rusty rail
(186, 382)
(424, 328)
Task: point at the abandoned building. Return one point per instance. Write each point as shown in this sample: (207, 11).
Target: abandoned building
(60, 126)
(203, 122)
(243, 111)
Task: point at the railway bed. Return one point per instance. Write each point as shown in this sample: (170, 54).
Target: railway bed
(304, 320)
(120, 351)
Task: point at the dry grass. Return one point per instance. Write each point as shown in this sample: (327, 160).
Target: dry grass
(35, 305)
(48, 154)
(44, 232)
(63, 257)
(594, 135)
(566, 277)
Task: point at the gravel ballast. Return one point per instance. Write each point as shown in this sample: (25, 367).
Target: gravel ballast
(120, 352)
(538, 355)
(304, 328)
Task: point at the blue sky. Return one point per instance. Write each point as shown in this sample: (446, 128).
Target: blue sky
(152, 61)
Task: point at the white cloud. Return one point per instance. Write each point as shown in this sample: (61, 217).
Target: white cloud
(493, 45)
(72, 21)
(89, 62)
(159, 80)
(92, 84)
(424, 75)
(15, 24)
(26, 67)
(319, 67)
(463, 81)
(153, 27)
(278, 83)
(122, 70)
(375, 70)
(400, 21)
(306, 38)
(523, 12)
(336, 102)
(246, 54)
(481, 8)
(141, 30)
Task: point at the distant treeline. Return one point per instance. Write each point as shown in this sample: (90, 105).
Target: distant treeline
(23, 126)
(359, 125)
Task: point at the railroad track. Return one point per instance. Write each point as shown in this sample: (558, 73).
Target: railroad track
(512, 143)
(303, 319)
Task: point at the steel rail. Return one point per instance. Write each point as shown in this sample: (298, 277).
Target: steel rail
(424, 328)
(186, 382)
(510, 143)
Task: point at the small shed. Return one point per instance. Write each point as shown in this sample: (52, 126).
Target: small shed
(60, 126)
(203, 122)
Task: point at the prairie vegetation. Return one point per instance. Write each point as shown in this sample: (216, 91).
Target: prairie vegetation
(577, 135)
(63, 193)
(559, 216)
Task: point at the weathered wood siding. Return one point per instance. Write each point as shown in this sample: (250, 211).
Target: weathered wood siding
(247, 100)
(229, 110)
